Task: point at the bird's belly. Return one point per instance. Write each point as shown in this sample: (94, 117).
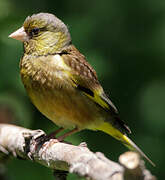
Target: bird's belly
(67, 108)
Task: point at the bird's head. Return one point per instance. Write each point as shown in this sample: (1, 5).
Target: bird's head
(43, 34)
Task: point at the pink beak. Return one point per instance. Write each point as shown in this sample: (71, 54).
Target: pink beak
(20, 35)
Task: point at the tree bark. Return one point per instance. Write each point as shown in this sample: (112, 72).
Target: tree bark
(26, 144)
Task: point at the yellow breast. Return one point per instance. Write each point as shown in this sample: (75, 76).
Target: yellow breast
(49, 86)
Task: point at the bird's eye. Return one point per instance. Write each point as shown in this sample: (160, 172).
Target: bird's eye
(34, 31)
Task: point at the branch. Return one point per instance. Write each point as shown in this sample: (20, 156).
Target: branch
(23, 143)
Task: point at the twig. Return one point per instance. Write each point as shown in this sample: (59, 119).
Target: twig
(23, 143)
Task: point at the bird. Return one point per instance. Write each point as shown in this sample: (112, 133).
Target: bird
(62, 85)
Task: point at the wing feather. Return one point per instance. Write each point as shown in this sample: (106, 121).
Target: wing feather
(84, 78)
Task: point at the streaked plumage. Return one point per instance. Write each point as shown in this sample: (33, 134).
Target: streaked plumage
(62, 84)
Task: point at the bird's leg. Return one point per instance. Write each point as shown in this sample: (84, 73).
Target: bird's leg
(54, 133)
(61, 138)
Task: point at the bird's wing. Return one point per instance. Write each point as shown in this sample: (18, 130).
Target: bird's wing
(85, 79)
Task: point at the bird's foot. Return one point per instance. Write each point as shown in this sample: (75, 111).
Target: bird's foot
(51, 138)
(43, 139)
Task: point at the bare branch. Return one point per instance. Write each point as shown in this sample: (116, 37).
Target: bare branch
(24, 143)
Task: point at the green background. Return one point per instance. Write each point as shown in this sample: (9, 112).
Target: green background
(125, 42)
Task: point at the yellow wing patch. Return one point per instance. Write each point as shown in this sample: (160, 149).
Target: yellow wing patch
(98, 96)
(98, 100)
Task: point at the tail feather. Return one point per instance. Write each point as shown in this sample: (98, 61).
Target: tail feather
(133, 147)
(109, 129)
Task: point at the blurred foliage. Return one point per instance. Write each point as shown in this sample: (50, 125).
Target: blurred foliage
(125, 42)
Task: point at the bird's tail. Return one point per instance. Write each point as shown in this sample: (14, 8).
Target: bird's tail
(109, 129)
